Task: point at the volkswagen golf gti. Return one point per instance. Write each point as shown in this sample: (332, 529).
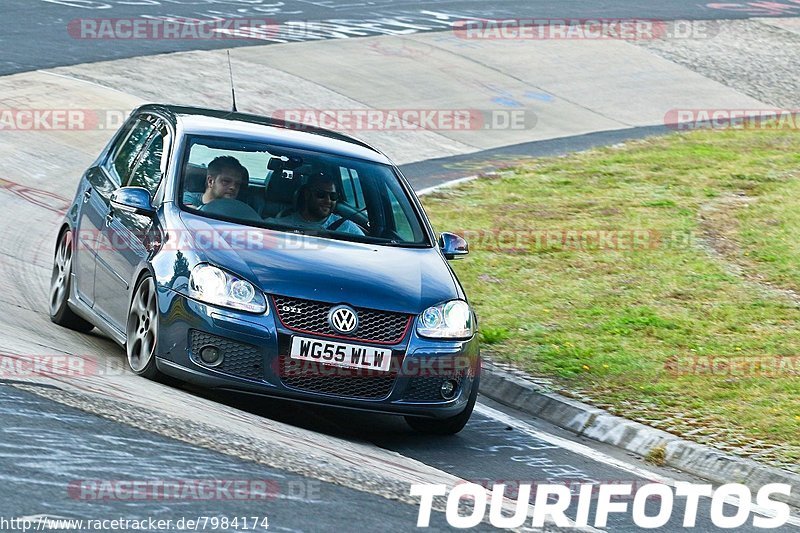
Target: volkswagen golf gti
(248, 254)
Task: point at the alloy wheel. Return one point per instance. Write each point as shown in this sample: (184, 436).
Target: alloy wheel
(143, 327)
(59, 281)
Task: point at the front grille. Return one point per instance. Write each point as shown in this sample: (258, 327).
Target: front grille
(344, 382)
(427, 388)
(382, 327)
(243, 360)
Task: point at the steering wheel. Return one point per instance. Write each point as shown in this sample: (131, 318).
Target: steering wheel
(348, 216)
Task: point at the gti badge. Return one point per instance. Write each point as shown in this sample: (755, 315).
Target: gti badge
(343, 319)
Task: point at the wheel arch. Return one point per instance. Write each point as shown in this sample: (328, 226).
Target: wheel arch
(65, 226)
(145, 270)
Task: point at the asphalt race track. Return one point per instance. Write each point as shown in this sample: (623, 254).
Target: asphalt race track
(40, 37)
(326, 470)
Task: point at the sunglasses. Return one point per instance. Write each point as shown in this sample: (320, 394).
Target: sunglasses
(320, 195)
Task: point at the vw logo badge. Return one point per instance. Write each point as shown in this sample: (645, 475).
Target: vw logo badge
(343, 319)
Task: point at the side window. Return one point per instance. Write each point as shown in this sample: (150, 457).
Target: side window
(151, 164)
(129, 151)
(351, 187)
(401, 223)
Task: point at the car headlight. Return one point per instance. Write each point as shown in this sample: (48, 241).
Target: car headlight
(214, 286)
(450, 320)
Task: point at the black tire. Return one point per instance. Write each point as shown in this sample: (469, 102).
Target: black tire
(446, 426)
(142, 330)
(60, 286)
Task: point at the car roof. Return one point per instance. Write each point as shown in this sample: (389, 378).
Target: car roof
(215, 122)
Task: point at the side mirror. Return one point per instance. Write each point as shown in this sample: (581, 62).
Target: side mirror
(453, 246)
(135, 199)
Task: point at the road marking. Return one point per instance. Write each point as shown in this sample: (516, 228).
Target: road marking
(446, 185)
(600, 457)
(92, 83)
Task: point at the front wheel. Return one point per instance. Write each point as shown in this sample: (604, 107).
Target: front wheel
(142, 330)
(446, 426)
(60, 281)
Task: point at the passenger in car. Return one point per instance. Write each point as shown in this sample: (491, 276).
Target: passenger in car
(317, 201)
(225, 178)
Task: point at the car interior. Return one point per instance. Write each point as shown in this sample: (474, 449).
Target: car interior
(275, 196)
(369, 194)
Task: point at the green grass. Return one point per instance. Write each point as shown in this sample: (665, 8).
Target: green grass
(709, 223)
(493, 335)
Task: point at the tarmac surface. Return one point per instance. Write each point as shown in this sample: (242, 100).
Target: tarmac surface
(41, 35)
(74, 465)
(66, 464)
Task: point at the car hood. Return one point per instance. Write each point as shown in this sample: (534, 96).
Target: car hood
(406, 280)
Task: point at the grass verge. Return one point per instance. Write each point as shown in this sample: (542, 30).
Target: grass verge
(659, 280)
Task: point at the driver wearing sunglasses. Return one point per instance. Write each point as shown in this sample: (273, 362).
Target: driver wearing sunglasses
(318, 200)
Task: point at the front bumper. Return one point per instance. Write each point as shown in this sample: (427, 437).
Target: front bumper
(255, 350)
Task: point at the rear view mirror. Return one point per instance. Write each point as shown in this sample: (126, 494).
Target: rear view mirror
(280, 162)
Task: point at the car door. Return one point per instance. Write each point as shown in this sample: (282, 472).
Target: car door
(97, 186)
(90, 225)
(111, 285)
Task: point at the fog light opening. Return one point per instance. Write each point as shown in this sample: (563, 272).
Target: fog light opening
(210, 356)
(448, 389)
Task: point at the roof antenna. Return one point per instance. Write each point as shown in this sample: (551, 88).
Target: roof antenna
(233, 91)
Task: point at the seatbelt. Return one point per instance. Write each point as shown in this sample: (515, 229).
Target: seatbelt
(335, 225)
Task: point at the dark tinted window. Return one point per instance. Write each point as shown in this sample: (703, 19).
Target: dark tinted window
(148, 171)
(307, 192)
(128, 152)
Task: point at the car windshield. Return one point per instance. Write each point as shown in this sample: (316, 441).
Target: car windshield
(302, 191)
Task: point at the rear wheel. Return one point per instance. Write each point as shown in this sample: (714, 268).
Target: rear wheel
(142, 330)
(446, 426)
(60, 282)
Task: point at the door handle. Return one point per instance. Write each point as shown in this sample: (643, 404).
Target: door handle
(109, 218)
(87, 195)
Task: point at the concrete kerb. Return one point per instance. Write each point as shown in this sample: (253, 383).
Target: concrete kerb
(597, 424)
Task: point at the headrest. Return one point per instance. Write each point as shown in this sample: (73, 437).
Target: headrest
(282, 186)
(195, 178)
(244, 189)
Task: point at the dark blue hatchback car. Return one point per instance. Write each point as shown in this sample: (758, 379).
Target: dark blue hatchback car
(243, 253)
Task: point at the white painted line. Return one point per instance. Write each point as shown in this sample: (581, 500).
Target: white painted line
(600, 457)
(95, 84)
(447, 185)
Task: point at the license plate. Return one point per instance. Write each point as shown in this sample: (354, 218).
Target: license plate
(341, 354)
